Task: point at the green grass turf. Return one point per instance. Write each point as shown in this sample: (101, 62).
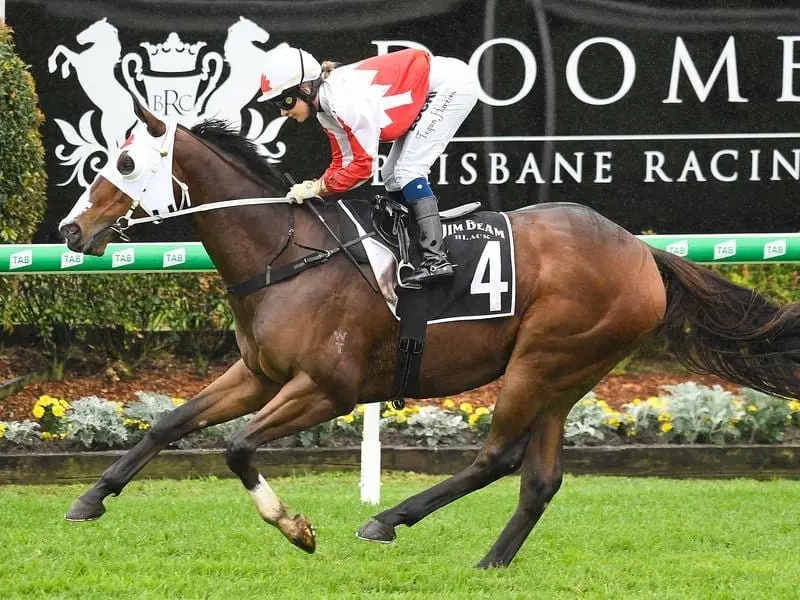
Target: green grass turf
(601, 537)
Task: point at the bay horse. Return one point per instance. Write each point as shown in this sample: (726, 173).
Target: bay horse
(588, 293)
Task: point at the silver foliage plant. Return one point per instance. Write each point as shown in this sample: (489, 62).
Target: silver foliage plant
(96, 422)
(21, 433)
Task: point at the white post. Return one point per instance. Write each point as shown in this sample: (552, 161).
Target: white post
(371, 454)
(2, 10)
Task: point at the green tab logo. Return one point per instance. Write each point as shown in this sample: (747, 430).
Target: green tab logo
(174, 257)
(18, 260)
(71, 259)
(122, 258)
(774, 249)
(680, 248)
(725, 250)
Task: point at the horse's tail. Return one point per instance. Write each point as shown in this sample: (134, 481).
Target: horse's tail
(715, 326)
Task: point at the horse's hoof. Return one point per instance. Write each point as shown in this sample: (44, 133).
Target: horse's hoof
(84, 510)
(303, 535)
(375, 531)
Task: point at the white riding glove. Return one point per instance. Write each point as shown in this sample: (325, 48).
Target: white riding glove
(310, 188)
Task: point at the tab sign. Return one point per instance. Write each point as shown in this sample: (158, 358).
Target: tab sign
(175, 257)
(71, 259)
(725, 250)
(680, 248)
(18, 260)
(775, 249)
(122, 258)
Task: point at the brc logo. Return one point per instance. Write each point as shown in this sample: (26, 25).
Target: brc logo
(774, 249)
(173, 258)
(18, 260)
(71, 259)
(122, 258)
(725, 250)
(680, 248)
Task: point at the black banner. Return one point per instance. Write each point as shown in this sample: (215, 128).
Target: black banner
(663, 118)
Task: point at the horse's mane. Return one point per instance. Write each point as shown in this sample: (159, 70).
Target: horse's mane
(221, 134)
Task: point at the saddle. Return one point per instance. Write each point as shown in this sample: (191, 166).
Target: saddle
(390, 221)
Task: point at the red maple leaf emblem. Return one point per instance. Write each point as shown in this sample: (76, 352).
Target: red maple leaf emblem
(265, 85)
(127, 142)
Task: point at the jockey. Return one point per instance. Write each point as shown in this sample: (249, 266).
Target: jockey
(409, 97)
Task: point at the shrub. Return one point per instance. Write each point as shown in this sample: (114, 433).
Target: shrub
(96, 423)
(24, 433)
(765, 417)
(23, 183)
(592, 421)
(696, 413)
(431, 426)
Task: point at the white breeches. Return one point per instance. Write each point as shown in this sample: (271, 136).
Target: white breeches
(453, 94)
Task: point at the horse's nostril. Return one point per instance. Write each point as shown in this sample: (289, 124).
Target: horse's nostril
(70, 231)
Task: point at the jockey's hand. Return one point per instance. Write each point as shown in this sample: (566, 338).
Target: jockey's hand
(310, 188)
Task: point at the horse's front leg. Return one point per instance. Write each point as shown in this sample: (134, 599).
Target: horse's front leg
(237, 392)
(299, 405)
(69, 57)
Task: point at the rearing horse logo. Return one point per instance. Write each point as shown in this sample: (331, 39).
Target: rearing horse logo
(94, 67)
(174, 78)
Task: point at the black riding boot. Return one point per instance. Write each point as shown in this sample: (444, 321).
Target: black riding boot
(434, 263)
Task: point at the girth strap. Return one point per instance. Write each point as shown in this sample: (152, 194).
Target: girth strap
(412, 308)
(275, 275)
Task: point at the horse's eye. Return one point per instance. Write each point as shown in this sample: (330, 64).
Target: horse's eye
(125, 164)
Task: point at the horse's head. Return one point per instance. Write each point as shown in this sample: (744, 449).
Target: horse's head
(138, 174)
(245, 29)
(96, 32)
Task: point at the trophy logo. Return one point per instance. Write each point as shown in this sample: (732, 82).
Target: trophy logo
(172, 78)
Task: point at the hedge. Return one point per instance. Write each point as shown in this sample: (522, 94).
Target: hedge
(23, 182)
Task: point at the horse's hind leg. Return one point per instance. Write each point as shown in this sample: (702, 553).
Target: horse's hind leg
(501, 455)
(541, 479)
(237, 392)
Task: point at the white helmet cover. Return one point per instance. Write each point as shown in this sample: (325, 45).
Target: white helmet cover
(285, 67)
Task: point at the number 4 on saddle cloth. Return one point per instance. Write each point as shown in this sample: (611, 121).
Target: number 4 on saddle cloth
(480, 244)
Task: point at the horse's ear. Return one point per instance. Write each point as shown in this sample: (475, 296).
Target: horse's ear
(155, 126)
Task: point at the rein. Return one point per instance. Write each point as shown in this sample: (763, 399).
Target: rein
(270, 276)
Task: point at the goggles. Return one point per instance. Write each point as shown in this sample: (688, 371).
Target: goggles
(287, 100)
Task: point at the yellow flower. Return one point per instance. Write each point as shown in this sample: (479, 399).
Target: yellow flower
(361, 409)
(481, 410)
(386, 414)
(794, 405)
(44, 400)
(636, 401)
(3, 428)
(400, 418)
(473, 419)
(466, 407)
(654, 402)
(178, 401)
(666, 427)
(449, 404)
(46, 435)
(664, 417)
(65, 404)
(144, 425)
(612, 422)
(349, 418)
(58, 410)
(751, 408)
(38, 411)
